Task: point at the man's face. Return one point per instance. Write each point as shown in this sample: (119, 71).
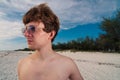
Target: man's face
(35, 35)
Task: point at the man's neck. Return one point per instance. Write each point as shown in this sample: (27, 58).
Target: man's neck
(45, 53)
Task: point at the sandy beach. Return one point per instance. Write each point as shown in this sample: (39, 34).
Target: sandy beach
(92, 65)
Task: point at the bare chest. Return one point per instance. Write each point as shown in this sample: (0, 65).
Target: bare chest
(45, 71)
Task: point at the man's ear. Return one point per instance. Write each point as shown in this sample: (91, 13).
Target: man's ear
(52, 34)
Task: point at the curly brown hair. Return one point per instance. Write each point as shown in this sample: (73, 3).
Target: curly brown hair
(42, 12)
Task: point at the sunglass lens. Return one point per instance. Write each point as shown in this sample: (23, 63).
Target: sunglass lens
(31, 28)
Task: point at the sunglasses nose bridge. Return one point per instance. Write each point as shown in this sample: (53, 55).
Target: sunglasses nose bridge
(26, 32)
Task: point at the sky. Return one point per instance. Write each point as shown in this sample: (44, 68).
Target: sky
(78, 19)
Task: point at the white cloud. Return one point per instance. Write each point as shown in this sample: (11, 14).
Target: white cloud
(87, 11)
(10, 29)
(81, 11)
(2, 14)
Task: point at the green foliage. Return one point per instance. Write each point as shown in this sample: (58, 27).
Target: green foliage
(86, 44)
(110, 41)
(25, 49)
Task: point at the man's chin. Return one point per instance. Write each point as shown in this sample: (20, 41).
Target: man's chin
(31, 47)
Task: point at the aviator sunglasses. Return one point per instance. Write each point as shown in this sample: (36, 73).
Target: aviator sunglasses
(30, 29)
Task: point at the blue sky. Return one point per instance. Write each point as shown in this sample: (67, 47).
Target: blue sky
(78, 18)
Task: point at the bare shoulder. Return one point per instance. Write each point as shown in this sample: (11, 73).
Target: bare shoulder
(66, 59)
(22, 62)
(73, 69)
(22, 67)
(69, 62)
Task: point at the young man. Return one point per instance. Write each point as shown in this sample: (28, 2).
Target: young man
(41, 27)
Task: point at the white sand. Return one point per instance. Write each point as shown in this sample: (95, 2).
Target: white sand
(92, 65)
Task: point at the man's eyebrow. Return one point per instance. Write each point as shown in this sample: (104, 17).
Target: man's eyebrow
(30, 25)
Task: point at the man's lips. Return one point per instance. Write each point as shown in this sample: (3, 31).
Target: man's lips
(29, 41)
